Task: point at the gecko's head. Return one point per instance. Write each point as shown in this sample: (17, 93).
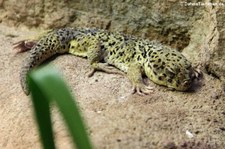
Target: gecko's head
(171, 69)
(181, 79)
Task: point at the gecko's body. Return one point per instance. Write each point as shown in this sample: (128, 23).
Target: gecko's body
(103, 49)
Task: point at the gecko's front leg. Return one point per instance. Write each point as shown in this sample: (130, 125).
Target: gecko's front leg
(134, 74)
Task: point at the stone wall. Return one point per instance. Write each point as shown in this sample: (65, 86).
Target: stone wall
(197, 30)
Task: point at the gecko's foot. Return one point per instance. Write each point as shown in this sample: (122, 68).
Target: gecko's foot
(23, 45)
(142, 89)
(197, 74)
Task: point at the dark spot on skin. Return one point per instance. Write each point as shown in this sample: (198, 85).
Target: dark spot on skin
(154, 53)
(164, 75)
(152, 61)
(174, 54)
(169, 80)
(149, 53)
(167, 55)
(156, 56)
(114, 52)
(102, 47)
(163, 63)
(63, 38)
(141, 46)
(177, 83)
(180, 65)
(154, 72)
(113, 43)
(159, 60)
(179, 57)
(138, 58)
(117, 48)
(121, 53)
(134, 53)
(144, 54)
(53, 44)
(160, 78)
(117, 57)
(67, 32)
(155, 65)
(168, 59)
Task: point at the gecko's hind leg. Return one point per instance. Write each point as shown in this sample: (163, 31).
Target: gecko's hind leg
(95, 56)
(105, 68)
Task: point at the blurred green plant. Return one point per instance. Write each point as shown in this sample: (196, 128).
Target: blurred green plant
(46, 87)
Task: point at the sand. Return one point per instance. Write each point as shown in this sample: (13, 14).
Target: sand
(115, 118)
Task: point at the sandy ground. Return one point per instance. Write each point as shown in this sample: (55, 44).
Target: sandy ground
(115, 118)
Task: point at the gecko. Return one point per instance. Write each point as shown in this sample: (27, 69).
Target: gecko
(112, 52)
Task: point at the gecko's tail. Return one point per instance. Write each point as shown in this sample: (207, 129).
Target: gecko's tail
(39, 52)
(55, 42)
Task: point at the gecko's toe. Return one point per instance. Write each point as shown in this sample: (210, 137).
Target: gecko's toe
(142, 89)
(91, 73)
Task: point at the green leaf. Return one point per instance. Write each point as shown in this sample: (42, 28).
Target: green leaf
(47, 86)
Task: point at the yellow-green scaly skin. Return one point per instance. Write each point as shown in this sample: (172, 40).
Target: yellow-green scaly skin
(103, 49)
